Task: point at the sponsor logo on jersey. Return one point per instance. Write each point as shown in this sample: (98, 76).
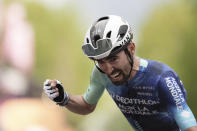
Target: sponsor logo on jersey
(126, 100)
(137, 110)
(175, 91)
(143, 87)
(134, 105)
(144, 94)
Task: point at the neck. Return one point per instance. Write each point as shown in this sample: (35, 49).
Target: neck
(136, 65)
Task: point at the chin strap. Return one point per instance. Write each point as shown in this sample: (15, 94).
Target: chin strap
(99, 68)
(130, 61)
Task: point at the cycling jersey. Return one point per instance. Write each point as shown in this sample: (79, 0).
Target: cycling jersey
(153, 100)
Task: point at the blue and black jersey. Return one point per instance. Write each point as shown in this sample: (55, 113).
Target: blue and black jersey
(154, 100)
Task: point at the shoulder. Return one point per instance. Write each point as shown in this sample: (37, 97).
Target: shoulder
(159, 68)
(160, 71)
(168, 79)
(98, 77)
(96, 73)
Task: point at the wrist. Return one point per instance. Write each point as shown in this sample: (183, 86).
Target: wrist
(65, 100)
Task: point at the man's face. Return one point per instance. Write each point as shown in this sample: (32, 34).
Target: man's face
(116, 67)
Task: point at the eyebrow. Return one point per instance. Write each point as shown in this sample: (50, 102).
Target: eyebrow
(108, 58)
(114, 56)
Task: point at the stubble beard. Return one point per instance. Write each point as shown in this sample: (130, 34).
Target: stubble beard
(124, 76)
(122, 81)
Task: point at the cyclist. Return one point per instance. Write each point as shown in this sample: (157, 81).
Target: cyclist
(148, 93)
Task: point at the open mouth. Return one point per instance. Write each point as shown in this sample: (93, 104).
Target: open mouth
(115, 75)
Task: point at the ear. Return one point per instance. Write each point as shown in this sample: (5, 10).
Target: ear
(131, 48)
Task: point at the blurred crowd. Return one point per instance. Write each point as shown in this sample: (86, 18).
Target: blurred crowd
(22, 107)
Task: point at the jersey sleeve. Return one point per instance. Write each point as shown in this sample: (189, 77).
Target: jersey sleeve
(96, 87)
(173, 97)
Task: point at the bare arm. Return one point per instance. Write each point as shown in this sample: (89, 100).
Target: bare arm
(193, 128)
(78, 105)
(74, 103)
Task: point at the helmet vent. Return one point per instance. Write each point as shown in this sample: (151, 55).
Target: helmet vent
(122, 31)
(96, 37)
(108, 34)
(87, 40)
(103, 18)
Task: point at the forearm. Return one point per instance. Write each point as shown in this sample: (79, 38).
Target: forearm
(194, 128)
(74, 103)
(78, 105)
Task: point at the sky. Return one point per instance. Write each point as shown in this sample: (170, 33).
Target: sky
(134, 11)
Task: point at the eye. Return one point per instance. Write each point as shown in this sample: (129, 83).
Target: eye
(113, 59)
(100, 62)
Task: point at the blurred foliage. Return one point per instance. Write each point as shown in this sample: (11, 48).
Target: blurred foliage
(58, 39)
(106, 117)
(58, 46)
(59, 35)
(170, 36)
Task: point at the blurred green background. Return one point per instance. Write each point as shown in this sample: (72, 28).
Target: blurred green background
(168, 34)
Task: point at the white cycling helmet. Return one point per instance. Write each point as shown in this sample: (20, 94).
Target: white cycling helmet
(106, 34)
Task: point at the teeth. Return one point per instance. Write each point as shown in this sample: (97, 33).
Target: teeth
(115, 75)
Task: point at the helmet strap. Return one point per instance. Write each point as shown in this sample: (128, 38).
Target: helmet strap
(99, 68)
(130, 61)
